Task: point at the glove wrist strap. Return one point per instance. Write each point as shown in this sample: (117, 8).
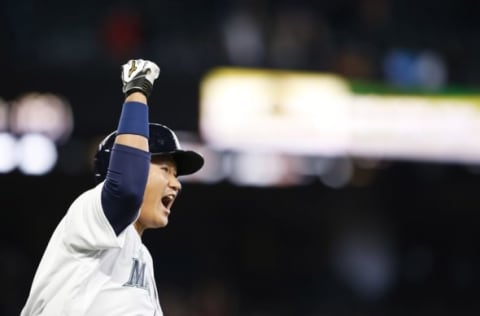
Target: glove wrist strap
(140, 84)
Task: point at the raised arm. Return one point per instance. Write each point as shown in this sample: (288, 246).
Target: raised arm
(122, 193)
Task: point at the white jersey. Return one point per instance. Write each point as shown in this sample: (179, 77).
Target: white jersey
(88, 270)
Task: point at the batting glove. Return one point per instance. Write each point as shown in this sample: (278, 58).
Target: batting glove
(138, 75)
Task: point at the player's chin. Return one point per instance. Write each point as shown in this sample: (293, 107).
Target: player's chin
(159, 223)
(163, 222)
(162, 219)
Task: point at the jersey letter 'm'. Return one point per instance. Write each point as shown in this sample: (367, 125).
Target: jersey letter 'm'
(137, 275)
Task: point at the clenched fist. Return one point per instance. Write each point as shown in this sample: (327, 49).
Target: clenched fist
(138, 75)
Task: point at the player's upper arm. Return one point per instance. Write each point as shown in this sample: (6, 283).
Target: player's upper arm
(122, 194)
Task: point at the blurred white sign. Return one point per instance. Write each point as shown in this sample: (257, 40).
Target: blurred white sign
(254, 110)
(317, 114)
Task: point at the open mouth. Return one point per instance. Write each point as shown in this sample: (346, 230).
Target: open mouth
(167, 201)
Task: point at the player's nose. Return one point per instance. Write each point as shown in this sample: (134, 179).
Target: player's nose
(175, 184)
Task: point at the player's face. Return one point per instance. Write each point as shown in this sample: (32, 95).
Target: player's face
(160, 193)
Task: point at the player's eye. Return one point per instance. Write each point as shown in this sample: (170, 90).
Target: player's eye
(165, 168)
(169, 170)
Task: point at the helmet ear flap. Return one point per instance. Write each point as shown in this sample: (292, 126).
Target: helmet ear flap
(102, 157)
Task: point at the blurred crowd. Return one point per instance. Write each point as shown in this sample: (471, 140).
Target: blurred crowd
(402, 42)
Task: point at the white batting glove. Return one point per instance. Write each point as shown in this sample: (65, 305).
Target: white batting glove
(138, 75)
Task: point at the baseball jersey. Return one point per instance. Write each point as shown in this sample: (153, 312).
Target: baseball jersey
(88, 270)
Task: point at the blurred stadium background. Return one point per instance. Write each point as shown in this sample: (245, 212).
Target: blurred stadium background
(340, 137)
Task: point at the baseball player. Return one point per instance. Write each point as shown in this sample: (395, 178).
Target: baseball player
(95, 262)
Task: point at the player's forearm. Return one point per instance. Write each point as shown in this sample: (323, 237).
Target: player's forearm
(136, 97)
(134, 140)
(138, 77)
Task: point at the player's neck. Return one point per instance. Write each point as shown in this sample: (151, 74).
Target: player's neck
(139, 228)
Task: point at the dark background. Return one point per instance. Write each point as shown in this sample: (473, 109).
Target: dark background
(405, 244)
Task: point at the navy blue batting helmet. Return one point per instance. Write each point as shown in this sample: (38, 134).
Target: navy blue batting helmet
(162, 141)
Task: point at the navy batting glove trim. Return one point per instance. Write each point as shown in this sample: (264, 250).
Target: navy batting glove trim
(134, 119)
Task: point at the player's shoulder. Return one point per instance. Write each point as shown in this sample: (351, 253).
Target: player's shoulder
(89, 198)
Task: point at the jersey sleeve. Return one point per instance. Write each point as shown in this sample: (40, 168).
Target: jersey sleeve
(86, 226)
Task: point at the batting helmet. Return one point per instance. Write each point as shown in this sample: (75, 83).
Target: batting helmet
(162, 141)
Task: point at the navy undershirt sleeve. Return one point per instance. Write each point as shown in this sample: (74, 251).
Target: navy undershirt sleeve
(122, 193)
